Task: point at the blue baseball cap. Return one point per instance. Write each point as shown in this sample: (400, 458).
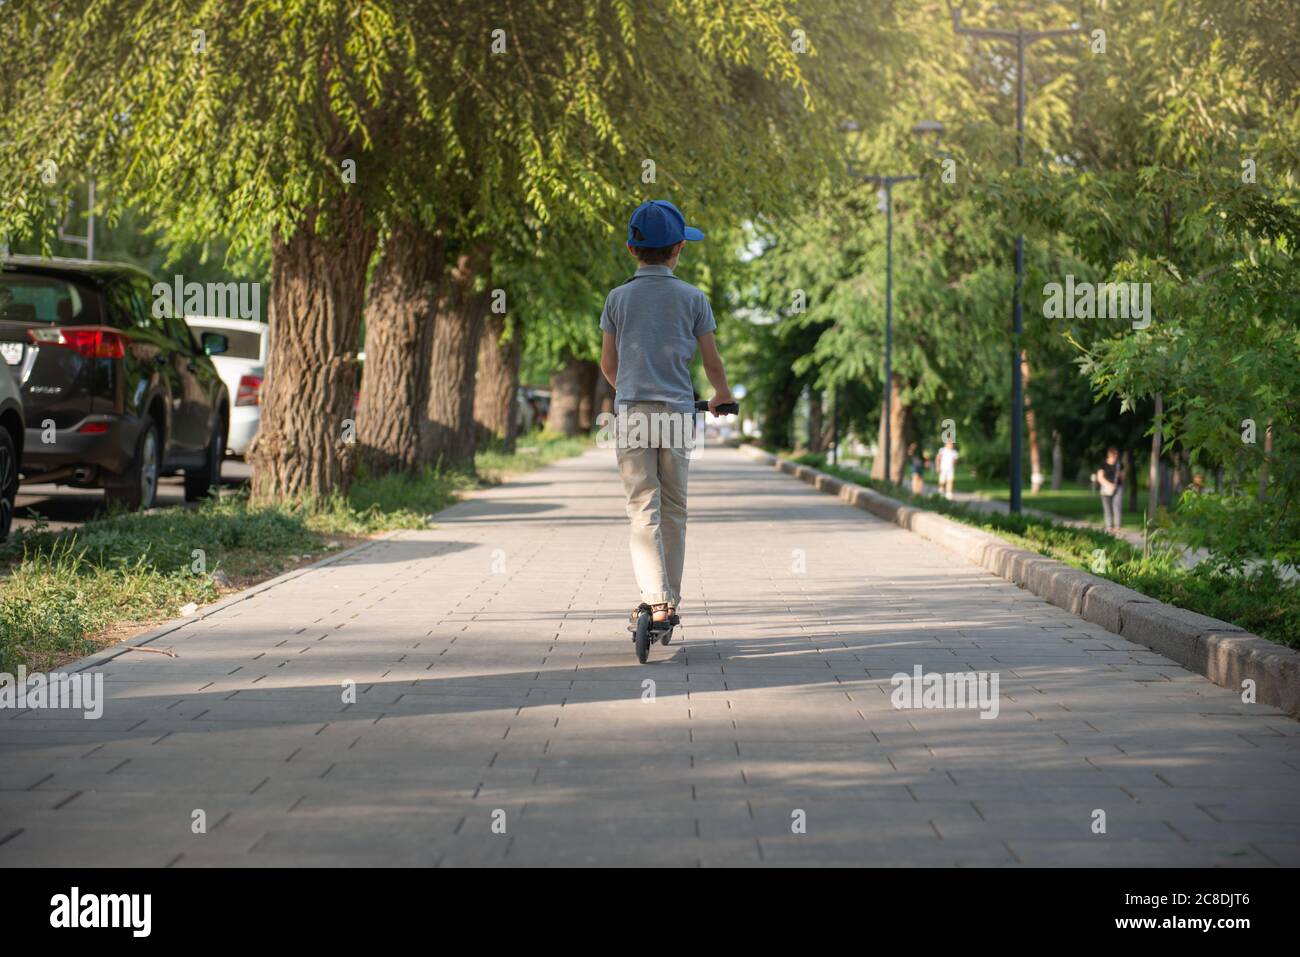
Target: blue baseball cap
(661, 223)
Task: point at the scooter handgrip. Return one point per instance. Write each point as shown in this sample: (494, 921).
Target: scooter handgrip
(727, 408)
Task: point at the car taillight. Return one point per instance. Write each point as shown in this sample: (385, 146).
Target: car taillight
(249, 385)
(93, 343)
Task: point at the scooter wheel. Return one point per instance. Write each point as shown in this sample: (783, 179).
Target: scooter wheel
(643, 637)
(666, 637)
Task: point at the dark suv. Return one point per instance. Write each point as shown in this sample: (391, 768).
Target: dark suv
(113, 395)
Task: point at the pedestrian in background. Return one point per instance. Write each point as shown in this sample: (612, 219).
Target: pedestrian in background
(946, 462)
(1110, 481)
(918, 469)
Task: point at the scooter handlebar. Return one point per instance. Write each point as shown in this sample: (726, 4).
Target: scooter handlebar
(727, 408)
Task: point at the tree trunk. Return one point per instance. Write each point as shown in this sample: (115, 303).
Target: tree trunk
(1058, 462)
(1153, 478)
(900, 425)
(498, 382)
(448, 436)
(1130, 476)
(566, 397)
(399, 328)
(590, 372)
(305, 444)
(815, 416)
(1263, 469)
(778, 417)
(829, 438)
(1031, 428)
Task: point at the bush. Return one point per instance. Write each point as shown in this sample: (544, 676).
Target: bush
(986, 460)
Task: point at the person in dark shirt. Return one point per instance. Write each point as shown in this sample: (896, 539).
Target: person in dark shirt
(918, 469)
(1110, 479)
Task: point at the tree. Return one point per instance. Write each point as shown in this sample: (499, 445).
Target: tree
(250, 120)
(316, 129)
(1179, 181)
(540, 86)
(952, 281)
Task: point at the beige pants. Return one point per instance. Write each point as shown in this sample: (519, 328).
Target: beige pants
(655, 482)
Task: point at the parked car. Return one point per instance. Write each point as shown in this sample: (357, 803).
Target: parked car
(241, 367)
(113, 395)
(11, 442)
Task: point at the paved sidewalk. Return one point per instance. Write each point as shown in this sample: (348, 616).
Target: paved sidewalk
(495, 684)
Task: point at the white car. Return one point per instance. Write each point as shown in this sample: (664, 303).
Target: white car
(241, 368)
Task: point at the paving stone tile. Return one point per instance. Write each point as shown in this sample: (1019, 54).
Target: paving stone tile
(519, 692)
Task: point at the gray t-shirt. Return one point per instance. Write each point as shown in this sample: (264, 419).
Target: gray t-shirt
(656, 319)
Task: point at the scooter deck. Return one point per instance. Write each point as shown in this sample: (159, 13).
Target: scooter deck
(655, 633)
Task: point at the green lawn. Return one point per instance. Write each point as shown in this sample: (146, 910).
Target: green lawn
(62, 595)
(1072, 500)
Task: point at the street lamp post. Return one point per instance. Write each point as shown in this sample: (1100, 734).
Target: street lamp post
(886, 184)
(835, 426)
(1021, 38)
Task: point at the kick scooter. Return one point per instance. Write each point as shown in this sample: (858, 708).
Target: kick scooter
(645, 630)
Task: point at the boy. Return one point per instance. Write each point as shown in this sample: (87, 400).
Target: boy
(652, 325)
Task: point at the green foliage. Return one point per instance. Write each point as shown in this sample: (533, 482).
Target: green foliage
(498, 123)
(1184, 178)
(1138, 170)
(522, 129)
(131, 237)
(824, 270)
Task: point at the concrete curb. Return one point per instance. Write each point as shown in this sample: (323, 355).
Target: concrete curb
(104, 655)
(1222, 652)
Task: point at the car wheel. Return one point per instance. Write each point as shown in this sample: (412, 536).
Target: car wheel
(137, 488)
(200, 482)
(8, 482)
